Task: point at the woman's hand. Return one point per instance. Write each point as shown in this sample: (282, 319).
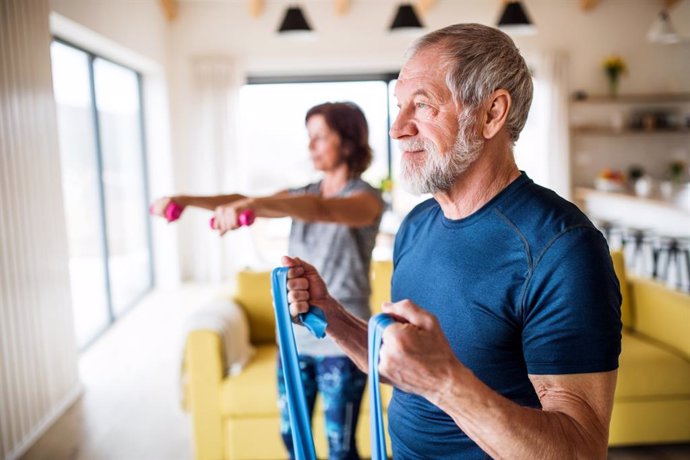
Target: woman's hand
(227, 215)
(158, 206)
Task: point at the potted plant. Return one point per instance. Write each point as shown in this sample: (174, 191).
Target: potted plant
(641, 183)
(614, 66)
(676, 174)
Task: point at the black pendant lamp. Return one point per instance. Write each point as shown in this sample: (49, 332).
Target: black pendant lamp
(294, 21)
(406, 19)
(515, 20)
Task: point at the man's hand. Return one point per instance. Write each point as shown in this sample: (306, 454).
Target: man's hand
(416, 356)
(306, 287)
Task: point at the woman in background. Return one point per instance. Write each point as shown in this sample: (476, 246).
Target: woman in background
(334, 225)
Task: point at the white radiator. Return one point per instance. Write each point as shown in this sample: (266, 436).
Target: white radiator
(38, 355)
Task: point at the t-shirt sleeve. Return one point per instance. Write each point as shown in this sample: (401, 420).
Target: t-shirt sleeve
(359, 186)
(571, 307)
(301, 190)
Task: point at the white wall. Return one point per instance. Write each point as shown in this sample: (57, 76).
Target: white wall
(38, 353)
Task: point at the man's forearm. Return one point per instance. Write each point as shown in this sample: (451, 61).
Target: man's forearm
(350, 333)
(505, 429)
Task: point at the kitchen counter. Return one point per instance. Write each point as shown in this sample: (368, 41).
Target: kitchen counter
(663, 217)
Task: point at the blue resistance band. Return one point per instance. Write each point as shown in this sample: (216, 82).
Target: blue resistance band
(377, 324)
(315, 322)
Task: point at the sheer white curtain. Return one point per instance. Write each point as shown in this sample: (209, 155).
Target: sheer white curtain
(543, 148)
(555, 76)
(212, 168)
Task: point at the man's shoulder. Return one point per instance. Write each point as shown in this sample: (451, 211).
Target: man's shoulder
(420, 212)
(539, 209)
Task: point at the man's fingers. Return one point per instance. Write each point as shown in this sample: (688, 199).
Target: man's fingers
(287, 261)
(297, 283)
(411, 313)
(298, 296)
(298, 307)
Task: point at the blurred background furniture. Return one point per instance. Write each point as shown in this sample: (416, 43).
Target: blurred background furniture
(652, 401)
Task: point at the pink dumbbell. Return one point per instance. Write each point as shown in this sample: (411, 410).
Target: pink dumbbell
(172, 212)
(245, 219)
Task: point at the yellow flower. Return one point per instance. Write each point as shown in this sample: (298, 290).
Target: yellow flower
(615, 65)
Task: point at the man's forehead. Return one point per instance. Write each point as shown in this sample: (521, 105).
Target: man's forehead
(421, 75)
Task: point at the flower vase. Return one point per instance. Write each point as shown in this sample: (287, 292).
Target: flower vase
(613, 84)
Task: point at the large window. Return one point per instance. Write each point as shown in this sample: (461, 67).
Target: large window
(273, 136)
(104, 186)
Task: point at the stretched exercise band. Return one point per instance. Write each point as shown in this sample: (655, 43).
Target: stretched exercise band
(315, 322)
(377, 324)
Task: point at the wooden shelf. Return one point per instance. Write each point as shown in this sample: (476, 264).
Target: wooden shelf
(667, 98)
(607, 131)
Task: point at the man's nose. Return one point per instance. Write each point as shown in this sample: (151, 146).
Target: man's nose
(403, 126)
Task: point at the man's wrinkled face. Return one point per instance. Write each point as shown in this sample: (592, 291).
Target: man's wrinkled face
(437, 139)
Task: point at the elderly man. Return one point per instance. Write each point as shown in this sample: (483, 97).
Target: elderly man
(509, 308)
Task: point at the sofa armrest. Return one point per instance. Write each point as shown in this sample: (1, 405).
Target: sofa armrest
(661, 313)
(205, 373)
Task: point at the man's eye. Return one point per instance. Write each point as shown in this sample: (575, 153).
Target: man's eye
(421, 105)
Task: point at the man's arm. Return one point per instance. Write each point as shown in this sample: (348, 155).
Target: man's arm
(306, 287)
(576, 409)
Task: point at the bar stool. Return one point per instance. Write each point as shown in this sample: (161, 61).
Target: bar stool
(673, 253)
(611, 231)
(639, 249)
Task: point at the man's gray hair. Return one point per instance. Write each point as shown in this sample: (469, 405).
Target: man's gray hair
(479, 60)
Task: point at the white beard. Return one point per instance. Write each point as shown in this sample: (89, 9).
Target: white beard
(439, 171)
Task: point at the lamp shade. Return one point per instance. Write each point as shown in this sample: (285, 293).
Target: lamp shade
(406, 19)
(514, 20)
(294, 21)
(662, 31)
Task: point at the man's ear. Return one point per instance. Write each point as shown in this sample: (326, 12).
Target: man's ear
(496, 113)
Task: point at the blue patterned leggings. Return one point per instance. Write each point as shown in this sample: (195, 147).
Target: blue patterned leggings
(341, 385)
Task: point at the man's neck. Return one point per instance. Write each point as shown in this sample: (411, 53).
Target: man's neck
(484, 179)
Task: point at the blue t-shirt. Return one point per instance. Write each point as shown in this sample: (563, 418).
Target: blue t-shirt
(525, 285)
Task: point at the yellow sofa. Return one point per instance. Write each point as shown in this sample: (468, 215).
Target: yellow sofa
(652, 401)
(237, 417)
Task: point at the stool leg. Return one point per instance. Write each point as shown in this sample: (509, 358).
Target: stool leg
(656, 252)
(686, 253)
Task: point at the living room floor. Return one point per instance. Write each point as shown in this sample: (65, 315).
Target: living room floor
(130, 406)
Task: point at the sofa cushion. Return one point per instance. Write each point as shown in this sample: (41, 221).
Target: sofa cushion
(253, 293)
(648, 370)
(254, 391)
(662, 313)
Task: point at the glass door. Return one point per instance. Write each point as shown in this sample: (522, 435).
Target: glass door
(121, 145)
(104, 186)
